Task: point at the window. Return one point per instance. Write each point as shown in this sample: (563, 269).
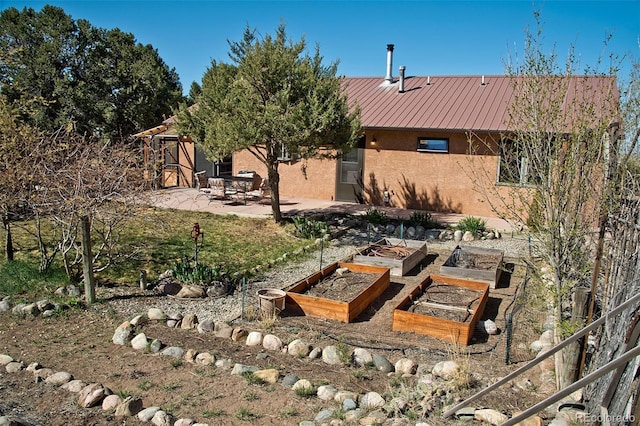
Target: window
(171, 151)
(513, 167)
(284, 155)
(433, 145)
(350, 170)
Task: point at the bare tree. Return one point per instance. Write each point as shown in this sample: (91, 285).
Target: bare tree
(554, 170)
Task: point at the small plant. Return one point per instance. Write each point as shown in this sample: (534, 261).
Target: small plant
(344, 353)
(185, 272)
(250, 395)
(472, 224)
(309, 228)
(360, 375)
(145, 385)
(245, 415)
(124, 394)
(170, 387)
(305, 391)
(207, 414)
(462, 378)
(289, 412)
(175, 363)
(424, 219)
(396, 382)
(252, 379)
(375, 216)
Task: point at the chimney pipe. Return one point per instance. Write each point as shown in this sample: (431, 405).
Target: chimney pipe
(401, 85)
(389, 77)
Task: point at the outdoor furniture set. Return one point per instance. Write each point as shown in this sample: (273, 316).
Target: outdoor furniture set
(246, 186)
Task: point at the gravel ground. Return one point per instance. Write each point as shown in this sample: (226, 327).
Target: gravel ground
(131, 302)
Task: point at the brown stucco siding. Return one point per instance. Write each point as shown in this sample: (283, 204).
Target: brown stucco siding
(447, 182)
(318, 183)
(425, 180)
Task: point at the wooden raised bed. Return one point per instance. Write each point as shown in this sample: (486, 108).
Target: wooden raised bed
(377, 281)
(399, 255)
(437, 325)
(474, 263)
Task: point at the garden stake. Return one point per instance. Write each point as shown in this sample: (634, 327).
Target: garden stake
(321, 251)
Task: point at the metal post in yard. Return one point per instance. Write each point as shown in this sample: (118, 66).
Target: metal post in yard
(507, 358)
(321, 252)
(244, 292)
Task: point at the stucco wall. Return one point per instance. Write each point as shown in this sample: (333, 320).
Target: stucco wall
(319, 182)
(447, 182)
(425, 180)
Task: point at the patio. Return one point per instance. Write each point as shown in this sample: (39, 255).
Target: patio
(192, 199)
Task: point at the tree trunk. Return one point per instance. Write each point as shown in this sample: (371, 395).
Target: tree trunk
(274, 185)
(8, 246)
(87, 261)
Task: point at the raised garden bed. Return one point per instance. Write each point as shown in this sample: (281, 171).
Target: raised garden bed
(446, 308)
(474, 263)
(399, 255)
(340, 291)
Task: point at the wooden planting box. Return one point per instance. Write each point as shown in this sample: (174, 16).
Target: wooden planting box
(474, 263)
(399, 255)
(446, 308)
(340, 291)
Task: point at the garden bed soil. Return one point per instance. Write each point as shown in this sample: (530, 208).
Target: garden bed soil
(340, 291)
(442, 307)
(474, 263)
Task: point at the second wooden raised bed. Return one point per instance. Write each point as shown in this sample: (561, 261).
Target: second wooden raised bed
(399, 255)
(405, 317)
(327, 306)
(474, 263)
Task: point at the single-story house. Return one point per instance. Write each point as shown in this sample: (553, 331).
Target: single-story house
(415, 152)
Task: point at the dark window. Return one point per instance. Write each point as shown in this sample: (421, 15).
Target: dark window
(514, 165)
(433, 145)
(171, 151)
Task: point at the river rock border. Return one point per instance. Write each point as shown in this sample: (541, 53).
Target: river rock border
(434, 387)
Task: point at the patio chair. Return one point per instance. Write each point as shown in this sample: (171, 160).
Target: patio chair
(217, 190)
(263, 192)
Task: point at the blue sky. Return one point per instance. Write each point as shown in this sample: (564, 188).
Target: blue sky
(430, 37)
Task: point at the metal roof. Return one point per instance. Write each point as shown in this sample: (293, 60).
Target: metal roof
(440, 102)
(453, 103)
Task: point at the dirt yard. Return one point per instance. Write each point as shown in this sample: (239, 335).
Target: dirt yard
(79, 342)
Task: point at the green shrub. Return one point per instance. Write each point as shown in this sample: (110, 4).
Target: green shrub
(309, 228)
(425, 220)
(472, 224)
(196, 274)
(375, 216)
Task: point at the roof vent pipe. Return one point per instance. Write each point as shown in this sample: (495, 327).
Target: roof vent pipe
(482, 82)
(401, 85)
(389, 77)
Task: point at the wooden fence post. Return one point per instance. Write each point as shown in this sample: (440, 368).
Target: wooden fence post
(87, 261)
